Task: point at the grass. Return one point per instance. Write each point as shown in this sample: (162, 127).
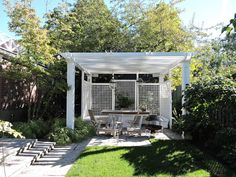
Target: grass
(162, 159)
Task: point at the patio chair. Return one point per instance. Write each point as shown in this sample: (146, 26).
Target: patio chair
(135, 126)
(105, 124)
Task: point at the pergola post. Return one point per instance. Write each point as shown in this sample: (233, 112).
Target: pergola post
(70, 99)
(137, 92)
(185, 79)
(90, 91)
(82, 94)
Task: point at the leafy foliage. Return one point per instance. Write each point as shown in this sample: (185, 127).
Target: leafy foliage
(202, 99)
(6, 130)
(62, 135)
(33, 129)
(231, 27)
(123, 101)
(160, 30)
(87, 26)
(210, 105)
(36, 63)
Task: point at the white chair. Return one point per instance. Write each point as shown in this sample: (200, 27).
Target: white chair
(135, 126)
(105, 124)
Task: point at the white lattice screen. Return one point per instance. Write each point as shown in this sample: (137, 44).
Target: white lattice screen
(149, 97)
(86, 97)
(144, 95)
(101, 98)
(126, 88)
(166, 101)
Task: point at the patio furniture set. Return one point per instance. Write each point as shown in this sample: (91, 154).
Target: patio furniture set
(117, 122)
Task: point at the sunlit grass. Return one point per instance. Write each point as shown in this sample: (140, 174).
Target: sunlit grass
(162, 159)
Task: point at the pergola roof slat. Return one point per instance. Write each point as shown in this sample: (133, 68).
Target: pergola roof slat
(121, 63)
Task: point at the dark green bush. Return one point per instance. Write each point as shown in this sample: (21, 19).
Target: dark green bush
(62, 135)
(33, 129)
(225, 137)
(203, 101)
(210, 118)
(225, 144)
(178, 124)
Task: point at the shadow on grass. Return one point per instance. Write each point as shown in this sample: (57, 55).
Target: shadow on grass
(98, 150)
(173, 158)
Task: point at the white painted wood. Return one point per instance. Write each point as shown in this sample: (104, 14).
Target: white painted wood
(101, 84)
(135, 96)
(124, 63)
(70, 101)
(82, 94)
(149, 84)
(185, 74)
(166, 101)
(161, 79)
(185, 79)
(90, 90)
(113, 99)
(137, 92)
(86, 97)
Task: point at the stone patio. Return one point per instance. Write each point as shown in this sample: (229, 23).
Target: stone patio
(123, 141)
(128, 141)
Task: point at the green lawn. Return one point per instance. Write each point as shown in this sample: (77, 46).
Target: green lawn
(162, 159)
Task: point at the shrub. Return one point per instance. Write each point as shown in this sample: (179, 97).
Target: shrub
(178, 124)
(209, 104)
(33, 129)
(62, 135)
(210, 118)
(6, 130)
(225, 143)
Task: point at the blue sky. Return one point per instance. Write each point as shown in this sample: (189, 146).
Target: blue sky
(206, 12)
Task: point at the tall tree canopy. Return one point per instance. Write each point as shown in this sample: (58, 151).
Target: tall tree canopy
(87, 27)
(161, 30)
(127, 26)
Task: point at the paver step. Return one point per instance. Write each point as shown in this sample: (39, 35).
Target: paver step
(24, 156)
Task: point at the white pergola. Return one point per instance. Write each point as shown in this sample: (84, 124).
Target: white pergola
(91, 64)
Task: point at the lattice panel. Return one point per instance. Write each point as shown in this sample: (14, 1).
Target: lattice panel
(149, 98)
(101, 98)
(86, 97)
(126, 88)
(166, 104)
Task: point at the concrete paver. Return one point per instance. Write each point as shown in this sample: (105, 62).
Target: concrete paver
(123, 141)
(56, 163)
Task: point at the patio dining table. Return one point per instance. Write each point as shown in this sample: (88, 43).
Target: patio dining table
(125, 115)
(125, 112)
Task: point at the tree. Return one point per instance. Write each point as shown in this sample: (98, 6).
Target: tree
(36, 62)
(231, 27)
(161, 30)
(88, 26)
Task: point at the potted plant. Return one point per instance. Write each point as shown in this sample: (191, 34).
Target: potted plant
(123, 102)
